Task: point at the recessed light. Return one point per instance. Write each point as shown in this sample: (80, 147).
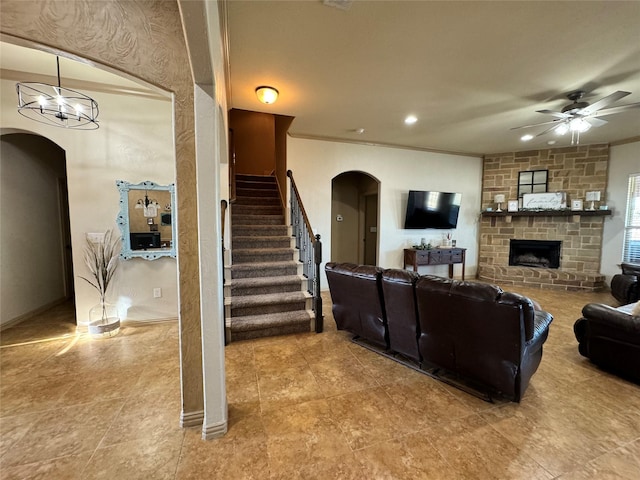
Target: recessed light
(359, 131)
(526, 138)
(551, 142)
(410, 120)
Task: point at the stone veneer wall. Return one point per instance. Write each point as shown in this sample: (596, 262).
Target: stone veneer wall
(574, 170)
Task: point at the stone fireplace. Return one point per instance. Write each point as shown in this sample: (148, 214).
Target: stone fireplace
(535, 253)
(573, 170)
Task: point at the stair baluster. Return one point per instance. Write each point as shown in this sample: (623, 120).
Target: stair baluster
(310, 250)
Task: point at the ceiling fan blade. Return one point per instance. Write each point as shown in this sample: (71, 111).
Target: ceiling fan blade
(555, 114)
(603, 102)
(596, 122)
(535, 125)
(611, 110)
(551, 128)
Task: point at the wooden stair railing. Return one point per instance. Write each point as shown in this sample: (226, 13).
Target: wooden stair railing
(310, 248)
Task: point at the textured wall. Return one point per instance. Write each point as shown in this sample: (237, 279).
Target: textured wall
(143, 39)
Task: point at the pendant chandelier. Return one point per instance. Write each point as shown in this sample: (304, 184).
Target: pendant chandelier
(56, 105)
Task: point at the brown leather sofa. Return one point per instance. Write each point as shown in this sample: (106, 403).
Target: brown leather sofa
(610, 338)
(625, 286)
(474, 330)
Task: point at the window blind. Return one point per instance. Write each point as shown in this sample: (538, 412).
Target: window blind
(631, 247)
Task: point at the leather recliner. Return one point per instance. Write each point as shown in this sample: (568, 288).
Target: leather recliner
(610, 338)
(358, 307)
(398, 288)
(625, 286)
(480, 332)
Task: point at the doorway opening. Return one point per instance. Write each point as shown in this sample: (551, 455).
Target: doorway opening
(36, 236)
(355, 218)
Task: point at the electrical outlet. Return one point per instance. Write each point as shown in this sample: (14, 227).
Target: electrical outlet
(157, 292)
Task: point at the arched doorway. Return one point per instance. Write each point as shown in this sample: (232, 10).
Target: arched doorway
(354, 218)
(36, 237)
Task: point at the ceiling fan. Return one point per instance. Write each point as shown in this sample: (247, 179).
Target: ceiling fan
(579, 116)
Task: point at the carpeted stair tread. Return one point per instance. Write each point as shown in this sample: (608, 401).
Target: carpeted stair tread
(300, 318)
(257, 219)
(248, 241)
(260, 255)
(263, 269)
(259, 231)
(265, 285)
(256, 192)
(260, 281)
(241, 200)
(256, 210)
(255, 178)
(268, 299)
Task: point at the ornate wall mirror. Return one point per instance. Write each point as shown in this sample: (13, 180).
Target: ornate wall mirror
(147, 220)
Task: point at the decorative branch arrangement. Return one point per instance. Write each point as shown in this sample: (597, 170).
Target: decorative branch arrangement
(102, 259)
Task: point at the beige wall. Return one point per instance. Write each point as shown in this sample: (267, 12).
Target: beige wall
(31, 249)
(315, 163)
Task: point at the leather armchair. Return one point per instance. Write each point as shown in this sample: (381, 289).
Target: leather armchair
(625, 286)
(610, 338)
(356, 294)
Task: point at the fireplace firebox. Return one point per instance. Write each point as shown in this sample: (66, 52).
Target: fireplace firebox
(535, 253)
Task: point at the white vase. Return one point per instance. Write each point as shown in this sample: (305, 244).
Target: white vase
(104, 320)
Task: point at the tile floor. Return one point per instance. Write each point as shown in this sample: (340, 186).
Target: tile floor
(307, 406)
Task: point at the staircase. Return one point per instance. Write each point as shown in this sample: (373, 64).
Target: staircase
(266, 295)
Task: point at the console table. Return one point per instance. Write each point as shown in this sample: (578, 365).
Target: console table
(435, 256)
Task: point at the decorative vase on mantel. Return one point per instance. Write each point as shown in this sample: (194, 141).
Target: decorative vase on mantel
(104, 320)
(101, 258)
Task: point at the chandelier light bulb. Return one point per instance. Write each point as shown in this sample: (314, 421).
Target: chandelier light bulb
(579, 125)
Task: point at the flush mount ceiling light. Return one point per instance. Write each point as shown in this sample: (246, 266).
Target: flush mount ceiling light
(56, 105)
(266, 94)
(410, 120)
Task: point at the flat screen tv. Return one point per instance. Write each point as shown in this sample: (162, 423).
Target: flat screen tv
(142, 241)
(432, 210)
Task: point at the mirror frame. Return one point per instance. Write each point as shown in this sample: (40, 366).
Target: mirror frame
(122, 220)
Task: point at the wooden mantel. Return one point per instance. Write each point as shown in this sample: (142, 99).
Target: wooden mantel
(576, 214)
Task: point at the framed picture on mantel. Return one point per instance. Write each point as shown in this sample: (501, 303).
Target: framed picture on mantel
(512, 206)
(576, 205)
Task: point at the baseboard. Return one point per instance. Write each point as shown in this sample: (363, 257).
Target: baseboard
(25, 316)
(192, 419)
(217, 430)
(134, 323)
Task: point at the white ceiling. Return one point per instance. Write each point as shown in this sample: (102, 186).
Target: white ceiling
(468, 70)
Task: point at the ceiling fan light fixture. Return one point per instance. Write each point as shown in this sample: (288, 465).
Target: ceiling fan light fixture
(579, 125)
(266, 94)
(562, 129)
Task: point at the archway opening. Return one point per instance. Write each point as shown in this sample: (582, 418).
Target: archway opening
(354, 218)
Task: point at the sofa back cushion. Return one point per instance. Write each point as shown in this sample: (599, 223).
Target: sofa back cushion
(356, 293)
(402, 315)
(473, 328)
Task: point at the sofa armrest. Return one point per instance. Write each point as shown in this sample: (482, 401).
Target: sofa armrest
(604, 314)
